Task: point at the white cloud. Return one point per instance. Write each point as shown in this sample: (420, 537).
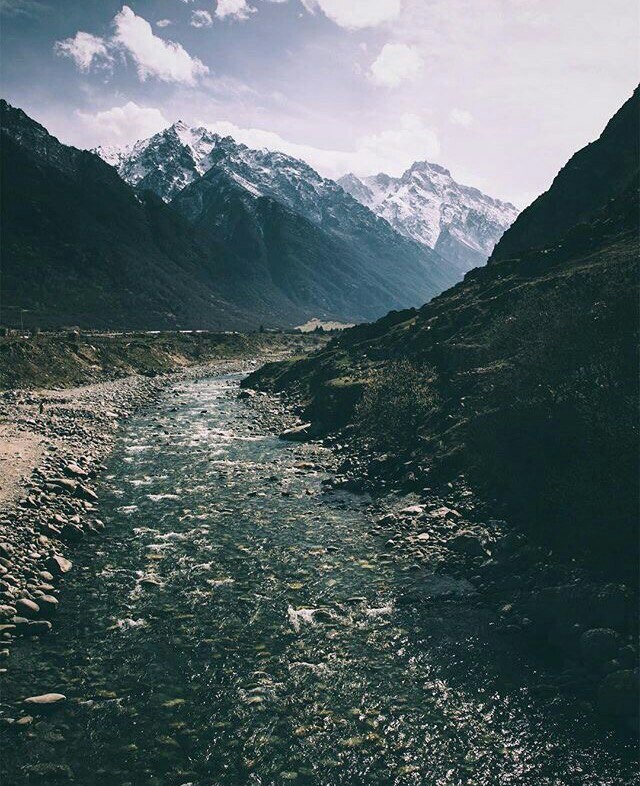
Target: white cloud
(163, 23)
(234, 9)
(395, 64)
(461, 117)
(356, 14)
(391, 151)
(201, 18)
(153, 56)
(85, 50)
(123, 125)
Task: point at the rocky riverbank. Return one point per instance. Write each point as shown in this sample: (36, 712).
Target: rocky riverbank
(579, 631)
(52, 447)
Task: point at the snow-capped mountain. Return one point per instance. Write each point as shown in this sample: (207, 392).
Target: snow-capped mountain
(429, 206)
(286, 225)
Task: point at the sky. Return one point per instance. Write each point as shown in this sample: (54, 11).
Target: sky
(501, 92)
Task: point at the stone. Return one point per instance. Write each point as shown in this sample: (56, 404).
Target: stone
(58, 565)
(7, 611)
(618, 693)
(45, 700)
(598, 645)
(48, 605)
(86, 493)
(297, 433)
(467, 543)
(71, 533)
(6, 549)
(27, 608)
(25, 627)
(75, 471)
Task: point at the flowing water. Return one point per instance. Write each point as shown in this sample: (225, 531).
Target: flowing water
(237, 624)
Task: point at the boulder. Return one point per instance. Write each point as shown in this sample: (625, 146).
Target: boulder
(599, 645)
(467, 543)
(297, 433)
(45, 700)
(618, 693)
(58, 565)
(27, 608)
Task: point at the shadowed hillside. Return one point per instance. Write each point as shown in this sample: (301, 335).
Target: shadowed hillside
(523, 376)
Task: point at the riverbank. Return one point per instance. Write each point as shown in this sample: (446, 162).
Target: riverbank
(241, 618)
(53, 444)
(66, 359)
(579, 629)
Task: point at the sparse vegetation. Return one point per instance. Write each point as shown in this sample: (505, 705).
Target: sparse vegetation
(396, 404)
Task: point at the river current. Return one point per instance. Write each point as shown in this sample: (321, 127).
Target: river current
(238, 623)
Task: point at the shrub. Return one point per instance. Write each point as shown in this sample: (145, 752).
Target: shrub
(396, 405)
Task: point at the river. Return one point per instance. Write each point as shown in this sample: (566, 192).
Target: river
(238, 623)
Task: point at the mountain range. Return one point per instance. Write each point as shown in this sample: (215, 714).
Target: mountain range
(191, 229)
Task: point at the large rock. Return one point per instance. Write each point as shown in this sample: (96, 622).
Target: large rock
(618, 693)
(58, 565)
(599, 645)
(297, 433)
(467, 543)
(27, 608)
(46, 700)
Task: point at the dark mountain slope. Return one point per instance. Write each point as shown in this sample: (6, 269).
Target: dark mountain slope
(286, 262)
(524, 376)
(80, 247)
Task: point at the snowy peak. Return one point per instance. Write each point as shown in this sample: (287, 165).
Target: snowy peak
(429, 206)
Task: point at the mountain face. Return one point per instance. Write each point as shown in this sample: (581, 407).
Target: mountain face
(426, 204)
(80, 247)
(530, 363)
(298, 240)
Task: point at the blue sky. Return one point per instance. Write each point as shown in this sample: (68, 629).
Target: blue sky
(499, 91)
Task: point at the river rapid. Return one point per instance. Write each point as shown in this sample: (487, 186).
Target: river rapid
(239, 623)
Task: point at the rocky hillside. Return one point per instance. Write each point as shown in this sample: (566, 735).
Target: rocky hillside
(80, 247)
(524, 376)
(426, 204)
(299, 242)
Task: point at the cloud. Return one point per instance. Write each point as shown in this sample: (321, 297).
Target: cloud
(163, 23)
(201, 18)
(356, 14)
(461, 117)
(123, 125)
(396, 63)
(153, 56)
(391, 151)
(22, 7)
(234, 9)
(85, 50)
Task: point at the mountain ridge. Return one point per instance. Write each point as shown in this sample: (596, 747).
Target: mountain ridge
(426, 204)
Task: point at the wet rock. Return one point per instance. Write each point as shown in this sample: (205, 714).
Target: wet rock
(58, 565)
(618, 693)
(598, 645)
(6, 550)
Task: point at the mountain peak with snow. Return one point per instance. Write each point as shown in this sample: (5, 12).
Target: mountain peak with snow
(426, 204)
